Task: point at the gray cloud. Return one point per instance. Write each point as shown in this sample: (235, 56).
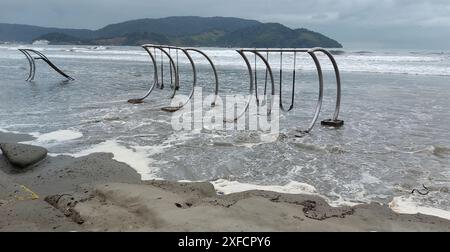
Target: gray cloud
(388, 23)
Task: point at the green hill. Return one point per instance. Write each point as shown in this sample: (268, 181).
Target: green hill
(134, 38)
(182, 31)
(28, 33)
(176, 26)
(276, 35)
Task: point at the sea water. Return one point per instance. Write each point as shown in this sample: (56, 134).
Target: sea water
(395, 105)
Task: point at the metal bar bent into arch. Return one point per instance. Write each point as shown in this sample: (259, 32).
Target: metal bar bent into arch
(32, 63)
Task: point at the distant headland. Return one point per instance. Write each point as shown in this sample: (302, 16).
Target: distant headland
(181, 31)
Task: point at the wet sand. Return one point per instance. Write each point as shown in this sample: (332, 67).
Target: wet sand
(97, 193)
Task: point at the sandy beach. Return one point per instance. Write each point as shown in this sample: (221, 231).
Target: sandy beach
(97, 193)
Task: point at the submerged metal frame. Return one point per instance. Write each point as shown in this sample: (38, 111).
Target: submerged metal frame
(334, 122)
(156, 81)
(253, 86)
(177, 75)
(32, 63)
(213, 67)
(250, 97)
(174, 70)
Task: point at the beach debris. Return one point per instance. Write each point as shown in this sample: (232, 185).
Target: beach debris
(11, 192)
(31, 60)
(423, 192)
(22, 155)
(184, 205)
(54, 200)
(317, 211)
(135, 101)
(333, 123)
(301, 134)
(66, 204)
(29, 195)
(170, 109)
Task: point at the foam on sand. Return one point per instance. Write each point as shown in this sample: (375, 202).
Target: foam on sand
(223, 186)
(56, 136)
(227, 187)
(407, 205)
(135, 156)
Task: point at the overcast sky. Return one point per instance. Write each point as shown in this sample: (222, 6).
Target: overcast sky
(408, 24)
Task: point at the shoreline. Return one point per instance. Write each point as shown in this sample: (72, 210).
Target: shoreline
(97, 193)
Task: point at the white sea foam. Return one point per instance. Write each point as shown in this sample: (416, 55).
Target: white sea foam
(367, 178)
(402, 205)
(264, 139)
(407, 205)
(9, 131)
(228, 187)
(55, 137)
(414, 64)
(137, 157)
(223, 186)
(178, 138)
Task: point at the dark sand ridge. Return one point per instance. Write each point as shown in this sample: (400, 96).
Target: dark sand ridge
(97, 193)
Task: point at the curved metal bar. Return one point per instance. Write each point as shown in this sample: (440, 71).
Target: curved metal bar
(34, 68)
(172, 64)
(320, 99)
(265, 80)
(174, 71)
(161, 85)
(279, 50)
(249, 68)
(155, 79)
(44, 58)
(272, 80)
(281, 88)
(338, 80)
(194, 83)
(31, 64)
(156, 63)
(256, 80)
(216, 77)
(170, 71)
(270, 72)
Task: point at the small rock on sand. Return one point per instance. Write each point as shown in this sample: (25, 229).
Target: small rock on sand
(22, 155)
